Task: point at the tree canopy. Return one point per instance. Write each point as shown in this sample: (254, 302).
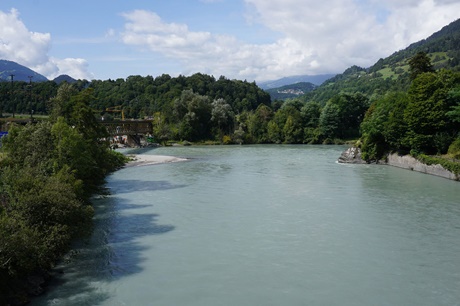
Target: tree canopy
(48, 172)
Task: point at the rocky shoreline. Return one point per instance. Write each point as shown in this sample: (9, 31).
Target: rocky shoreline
(144, 160)
(353, 156)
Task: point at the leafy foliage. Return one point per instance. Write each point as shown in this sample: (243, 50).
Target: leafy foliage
(419, 64)
(418, 121)
(47, 175)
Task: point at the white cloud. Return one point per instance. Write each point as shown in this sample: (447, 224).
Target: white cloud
(77, 68)
(341, 33)
(31, 49)
(317, 36)
(20, 45)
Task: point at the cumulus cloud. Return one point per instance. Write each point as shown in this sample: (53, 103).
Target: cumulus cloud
(206, 52)
(31, 49)
(340, 33)
(316, 36)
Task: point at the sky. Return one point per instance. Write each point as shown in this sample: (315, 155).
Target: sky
(240, 39)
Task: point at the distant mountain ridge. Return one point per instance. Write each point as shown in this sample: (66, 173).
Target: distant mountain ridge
(64, 78)
(290, 91)
(21, 73)
(314, 79)
(392, 73)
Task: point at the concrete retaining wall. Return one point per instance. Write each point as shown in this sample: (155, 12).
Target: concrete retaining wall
(353, 156)
(408, 162)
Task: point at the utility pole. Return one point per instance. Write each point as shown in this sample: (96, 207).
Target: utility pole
(12, 94)
(30, 97)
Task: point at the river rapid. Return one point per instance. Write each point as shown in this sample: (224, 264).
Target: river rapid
(266, 225)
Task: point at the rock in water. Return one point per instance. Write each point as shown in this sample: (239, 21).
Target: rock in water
(351, 156)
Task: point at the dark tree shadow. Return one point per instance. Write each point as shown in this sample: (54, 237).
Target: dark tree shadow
(128, 186)
(112, 252)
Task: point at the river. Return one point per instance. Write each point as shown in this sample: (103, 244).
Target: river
(266, 225)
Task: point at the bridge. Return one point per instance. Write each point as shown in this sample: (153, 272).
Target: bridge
(133, 129)
(6, 122)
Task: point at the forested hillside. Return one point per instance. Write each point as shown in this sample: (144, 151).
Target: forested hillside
(392, 73)
(19, 72)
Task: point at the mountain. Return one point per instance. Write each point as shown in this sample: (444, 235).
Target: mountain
(21, 73)
(392, 73)
(64, 78)
(314, 79)
(290, 91)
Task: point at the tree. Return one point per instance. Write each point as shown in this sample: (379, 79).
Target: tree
(222, 116)
(419, 63)
(310, 113)
(195, 110)
(430, 129)
(454, 98)
(292, 130)
(329, 121)
(47, 175)
(383, 127)
(342, 115)
(275, 134)
(161, 129)
(258, 122)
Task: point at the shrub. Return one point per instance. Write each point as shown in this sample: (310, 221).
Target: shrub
(454, 149)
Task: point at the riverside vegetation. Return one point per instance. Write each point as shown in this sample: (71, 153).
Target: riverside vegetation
(48, 172)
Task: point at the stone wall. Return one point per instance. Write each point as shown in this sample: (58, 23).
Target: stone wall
(409, 162)
(353, 156)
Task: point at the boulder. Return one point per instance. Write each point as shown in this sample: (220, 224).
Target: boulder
(351, 156)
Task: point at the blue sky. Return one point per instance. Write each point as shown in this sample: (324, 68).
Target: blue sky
(240, 39)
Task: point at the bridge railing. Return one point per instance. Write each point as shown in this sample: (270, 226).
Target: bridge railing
(128, 127)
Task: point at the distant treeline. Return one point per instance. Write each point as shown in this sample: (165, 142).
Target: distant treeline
(201, 108)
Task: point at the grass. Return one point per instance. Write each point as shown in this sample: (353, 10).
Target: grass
(447, 163)
(23, 116)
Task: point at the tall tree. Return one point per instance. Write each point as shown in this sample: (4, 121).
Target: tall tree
(418, 64)
(222, 116)
(426, 113)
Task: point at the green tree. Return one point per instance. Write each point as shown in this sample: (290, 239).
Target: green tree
(161, 130)
(454, 100)
(342, 115)
(419, 63)
(292, 130)
(430, 129)
(275, 134)
(222, 116)
(329, 121)
(258, 123)
(196, 111)
(310, 113)
(383, 127)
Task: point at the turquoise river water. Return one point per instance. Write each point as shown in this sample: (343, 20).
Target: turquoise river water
(267, 225)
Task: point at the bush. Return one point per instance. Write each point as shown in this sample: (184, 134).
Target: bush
(454, 149)
(449, 165)
(227, 140)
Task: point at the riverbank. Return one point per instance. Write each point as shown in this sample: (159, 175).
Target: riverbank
(353, 156)
(144, 160)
